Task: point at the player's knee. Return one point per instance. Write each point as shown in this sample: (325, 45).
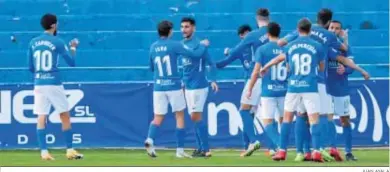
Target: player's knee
(41, 123)
(158, 120)
(330, 117)
(267, 121)
(245, 107)
(196, 116)
(344, 121)
(288, 116)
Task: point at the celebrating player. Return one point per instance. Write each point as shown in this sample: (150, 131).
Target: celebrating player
(253, 40)
(196, 86)
(338, 89)
(245, 59)
(274, 85)
(163, 56)
(43, 53)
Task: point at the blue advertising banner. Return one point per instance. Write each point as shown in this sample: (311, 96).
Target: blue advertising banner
(118, 115)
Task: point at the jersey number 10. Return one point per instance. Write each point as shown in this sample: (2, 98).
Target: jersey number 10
(167, 60)
(43, 59)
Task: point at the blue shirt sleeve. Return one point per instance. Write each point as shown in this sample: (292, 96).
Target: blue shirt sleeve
(223, 63)
(30, 60)
(151, 64)
(258, 55)
(333, 42)
(213, 68)
(291, 36)
(64, 52)
(184, 50)
(244, 44)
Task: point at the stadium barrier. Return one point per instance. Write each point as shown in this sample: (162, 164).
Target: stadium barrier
(118, 115)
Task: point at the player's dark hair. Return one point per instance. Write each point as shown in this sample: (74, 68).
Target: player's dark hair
(324, 16)
(273, 29)
(189, 20)
(336, 21)
(48, 20)
(304, 25)
(263, 13)
(164, 27)
(244, 28)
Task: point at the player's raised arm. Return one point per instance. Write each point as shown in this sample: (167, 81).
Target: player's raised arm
(30, 60)
(336, 44)
(348, 62)
(64, 52)
(281, 57)
(244, 44)
(184, 50)
(288, 38)
(226, 61)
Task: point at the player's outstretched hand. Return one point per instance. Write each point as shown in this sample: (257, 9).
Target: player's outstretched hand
(74, 42)
(215, 87)
(205, 42)
(263, 71)
(226, 51)
(340, 69)
(366, 75)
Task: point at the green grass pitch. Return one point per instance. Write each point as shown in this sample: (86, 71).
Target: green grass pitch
(124, 157)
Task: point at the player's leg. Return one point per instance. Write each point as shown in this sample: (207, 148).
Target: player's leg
(312, 105)
(325, 109)
(302, 134)
(290, 104)
(333, 151)
(247, 120)
(268, 110)
(58, 99)
(342, 110)
(178, 104)
(190, 100)
(196, 100)
(160, 108)
(42, 109)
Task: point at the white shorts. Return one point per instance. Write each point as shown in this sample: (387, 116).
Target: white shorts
(326, 100)
(256, 93)
(196, 99)
(272, 107)
(311, 102)
(341, 105)
(46, 96)
(162, 99)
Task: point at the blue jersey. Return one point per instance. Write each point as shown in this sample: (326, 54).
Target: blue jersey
(164, 55)
(323, 36)
(252, 41)
(338, 84)
(245, 59)
(43, 55)
(194, 70)
(274, 82)
(303, 57)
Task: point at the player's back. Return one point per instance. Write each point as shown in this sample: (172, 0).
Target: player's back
(274, 83)
(44, 52)
(164, 60)
(303, 55)
(255, 39)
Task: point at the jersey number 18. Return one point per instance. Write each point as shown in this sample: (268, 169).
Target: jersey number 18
(302, 64)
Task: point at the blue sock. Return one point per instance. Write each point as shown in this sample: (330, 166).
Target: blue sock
(152, 130)
(324, 131)
(273, 134)
(306, 136)
(245, 140)
(332, 134)
(316, 136)
(197, 137)
(41, 136)
(284, 134)
(68, 138)
(180, 134)
(204, 136)
(300, 133)
(348, 138)
(247, 122)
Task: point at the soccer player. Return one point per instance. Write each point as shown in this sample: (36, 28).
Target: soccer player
(338, 89)
(245, 59)
(304, 56)
(274, 84)
(328, 40)
(196, 86)
(253, 40)
(43, 55)
(164, 54)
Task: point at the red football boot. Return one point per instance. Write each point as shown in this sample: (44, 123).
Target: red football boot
(280, 156)
(317, 157)
(335, 154)
(308, 156)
